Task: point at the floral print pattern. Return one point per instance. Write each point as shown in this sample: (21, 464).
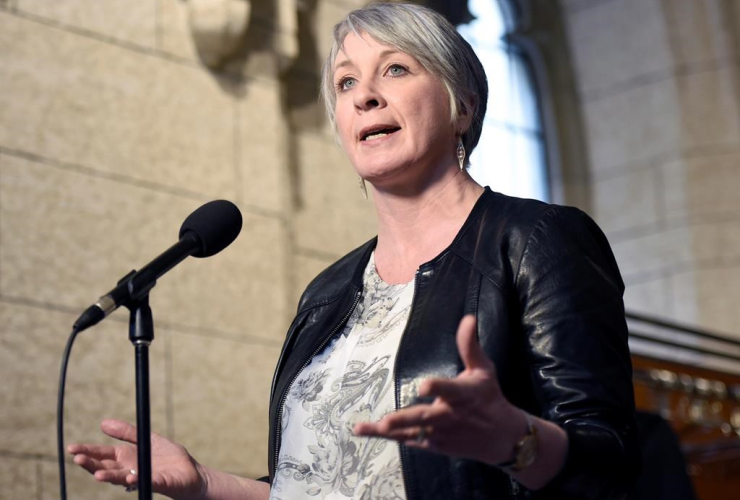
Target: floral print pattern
(350, 381)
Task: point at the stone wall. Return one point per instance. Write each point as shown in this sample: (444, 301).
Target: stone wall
(659, 95)
(112, 130)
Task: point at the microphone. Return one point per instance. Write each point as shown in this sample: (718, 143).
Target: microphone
(205, 232)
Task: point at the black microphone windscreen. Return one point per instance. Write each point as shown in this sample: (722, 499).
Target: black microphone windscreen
(216, 224)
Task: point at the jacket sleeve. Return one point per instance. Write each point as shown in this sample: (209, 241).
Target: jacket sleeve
(570, 292)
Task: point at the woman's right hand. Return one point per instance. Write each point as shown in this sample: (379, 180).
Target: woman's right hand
(174, 472)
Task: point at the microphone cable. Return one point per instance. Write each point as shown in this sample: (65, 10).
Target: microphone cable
(60, 414)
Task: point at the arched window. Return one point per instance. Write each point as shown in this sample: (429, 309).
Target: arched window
(510, 157)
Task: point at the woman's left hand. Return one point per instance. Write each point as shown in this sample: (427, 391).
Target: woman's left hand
(469, 417)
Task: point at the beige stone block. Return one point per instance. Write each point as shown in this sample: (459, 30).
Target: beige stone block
(649, 297)
(698, 30)
(307, 111)
(609, 46)
(709, 243)
(87, 232)
(709, 107)
(133, 22)
(240, 292)
(572, 191)
(648, 256)
(334, 217)
(685, 295)
(632, 127)
(100, 379)
(80, 486)
(75, 99)
(18, 478)
(263, 145)
(352, 4)
(260, 57)
(311, 21)
(708, 298)
(177, 38)
(327, 15)
(627, 201)
(702, 185)
(75, 235)
(690, 111)
(716, 241)
(303, 81)
(221, 391)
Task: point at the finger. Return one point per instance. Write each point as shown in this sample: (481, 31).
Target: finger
(397, 424)
(132, 478)
(435, 441)
(424, 444)
(99, 452)
(121, 477)
(408, 434)
(455, 391)
(119, 429)
(467, 344)
(402, 418)
(432, 438)
(93, 465)
(89, 464)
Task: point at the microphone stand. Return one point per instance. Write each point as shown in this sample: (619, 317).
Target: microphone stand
(141, 335)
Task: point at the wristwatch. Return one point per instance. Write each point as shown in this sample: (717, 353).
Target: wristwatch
(525, 450)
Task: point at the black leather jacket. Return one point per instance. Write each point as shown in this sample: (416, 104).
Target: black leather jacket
(547, 293)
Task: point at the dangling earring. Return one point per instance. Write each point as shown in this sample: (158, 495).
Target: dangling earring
(363, 188)
(461, 153)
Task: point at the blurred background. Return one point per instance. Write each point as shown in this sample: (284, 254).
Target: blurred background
(120, 117)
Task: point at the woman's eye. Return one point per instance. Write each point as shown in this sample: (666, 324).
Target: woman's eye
(346, 83)
(396, 70)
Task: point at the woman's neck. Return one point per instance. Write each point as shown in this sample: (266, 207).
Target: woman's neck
(415, 228)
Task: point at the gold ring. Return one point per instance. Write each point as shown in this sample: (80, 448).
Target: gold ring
(131, 487)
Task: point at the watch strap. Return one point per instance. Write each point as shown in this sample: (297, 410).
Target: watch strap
(515, 464)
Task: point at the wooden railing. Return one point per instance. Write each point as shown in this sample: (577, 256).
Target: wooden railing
(691, 377)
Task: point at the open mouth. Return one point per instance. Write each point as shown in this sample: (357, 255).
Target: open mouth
(377, 133)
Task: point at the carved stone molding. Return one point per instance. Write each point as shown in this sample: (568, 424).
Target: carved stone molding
(218, 27)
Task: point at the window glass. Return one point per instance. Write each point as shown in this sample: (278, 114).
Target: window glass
(510, 157)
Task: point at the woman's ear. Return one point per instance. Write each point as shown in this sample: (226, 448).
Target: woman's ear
(465, 114)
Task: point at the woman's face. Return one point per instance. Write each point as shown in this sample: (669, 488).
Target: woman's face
(392, 115)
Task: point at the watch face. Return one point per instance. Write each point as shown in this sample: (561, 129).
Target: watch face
(527, 452)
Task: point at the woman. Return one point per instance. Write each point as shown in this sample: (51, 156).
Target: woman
(484, 334)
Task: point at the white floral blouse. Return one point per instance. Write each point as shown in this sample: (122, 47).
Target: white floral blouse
(350, 381)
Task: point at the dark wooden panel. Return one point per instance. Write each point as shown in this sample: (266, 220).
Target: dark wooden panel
(703, 408)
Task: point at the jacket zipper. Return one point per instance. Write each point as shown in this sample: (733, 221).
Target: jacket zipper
(284, 396)
(396, 384)
(514, 487)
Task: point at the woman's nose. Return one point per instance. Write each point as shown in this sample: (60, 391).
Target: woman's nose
(367, 97)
